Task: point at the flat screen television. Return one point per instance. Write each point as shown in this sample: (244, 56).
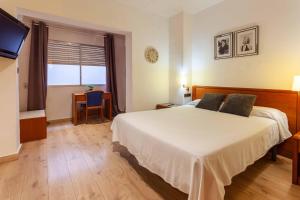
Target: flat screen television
(12, 35)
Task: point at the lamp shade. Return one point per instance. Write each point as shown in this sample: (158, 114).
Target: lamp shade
(296, 83)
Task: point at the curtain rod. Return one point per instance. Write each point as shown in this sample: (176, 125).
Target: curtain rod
(70, 28)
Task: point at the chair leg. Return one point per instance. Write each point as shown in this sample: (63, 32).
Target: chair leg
(77, 112)
(102, 113)
(81, 111)
(86, 115)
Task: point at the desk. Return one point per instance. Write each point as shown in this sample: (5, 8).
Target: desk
(80, 97)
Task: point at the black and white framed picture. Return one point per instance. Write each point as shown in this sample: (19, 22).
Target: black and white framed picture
(224, 46)
(246, 41)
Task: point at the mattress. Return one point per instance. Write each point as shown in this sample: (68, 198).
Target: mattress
(196, 151)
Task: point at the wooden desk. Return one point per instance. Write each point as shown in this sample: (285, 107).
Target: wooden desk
(80, 97)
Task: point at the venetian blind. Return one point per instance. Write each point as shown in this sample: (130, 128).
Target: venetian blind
(61, 52)
(92, 55)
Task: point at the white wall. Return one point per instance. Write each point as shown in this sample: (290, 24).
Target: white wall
(176, 58)
(150, 82)
(9, 108)
(279, 57)
(180, 34)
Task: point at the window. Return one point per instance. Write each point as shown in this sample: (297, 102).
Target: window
(75, 64)
(93, 75)
(63, 74)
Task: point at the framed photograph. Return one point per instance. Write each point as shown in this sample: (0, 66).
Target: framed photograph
(224, 46)
(246, 42)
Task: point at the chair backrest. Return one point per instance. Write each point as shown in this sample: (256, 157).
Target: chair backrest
(94, 98)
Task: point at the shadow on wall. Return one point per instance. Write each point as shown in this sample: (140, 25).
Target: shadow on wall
(5, 63)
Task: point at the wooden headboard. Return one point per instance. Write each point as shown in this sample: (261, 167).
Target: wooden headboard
(285, 100)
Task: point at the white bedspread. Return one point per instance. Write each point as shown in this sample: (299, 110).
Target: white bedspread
(195, 150)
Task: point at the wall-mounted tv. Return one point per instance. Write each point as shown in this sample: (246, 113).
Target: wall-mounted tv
(12, 35)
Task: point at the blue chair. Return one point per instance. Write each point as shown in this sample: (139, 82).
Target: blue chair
(94, 101)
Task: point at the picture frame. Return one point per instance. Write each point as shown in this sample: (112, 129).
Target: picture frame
(223, 46)
(246, 42)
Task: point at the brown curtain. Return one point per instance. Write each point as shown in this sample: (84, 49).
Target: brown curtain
(37, 80)
(120, 54)
(111, 80)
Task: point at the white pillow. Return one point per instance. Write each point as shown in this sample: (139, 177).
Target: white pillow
(277, 115)
(194, 103)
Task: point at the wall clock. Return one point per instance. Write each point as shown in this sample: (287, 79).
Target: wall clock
(151, 55)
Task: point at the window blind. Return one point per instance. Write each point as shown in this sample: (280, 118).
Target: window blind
(92, 55)
(61, 52)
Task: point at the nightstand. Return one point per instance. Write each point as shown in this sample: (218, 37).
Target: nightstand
(296, 159)
(165, 105)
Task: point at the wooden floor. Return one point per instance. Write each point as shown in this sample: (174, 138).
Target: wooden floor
(78, 163)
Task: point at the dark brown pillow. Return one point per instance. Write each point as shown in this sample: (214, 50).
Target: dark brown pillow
(238, 104)
(211, 101)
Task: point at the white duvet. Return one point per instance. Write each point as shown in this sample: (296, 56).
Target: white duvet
(195, 150)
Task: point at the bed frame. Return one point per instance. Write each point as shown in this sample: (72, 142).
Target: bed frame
(285, 100)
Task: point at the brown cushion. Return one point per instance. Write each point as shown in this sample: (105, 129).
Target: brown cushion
(238, 104)
(211, 101)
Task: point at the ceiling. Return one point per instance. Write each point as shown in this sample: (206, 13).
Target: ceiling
(168, 8)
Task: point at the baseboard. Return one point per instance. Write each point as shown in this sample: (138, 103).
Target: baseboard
(59, 121)
(11, 157)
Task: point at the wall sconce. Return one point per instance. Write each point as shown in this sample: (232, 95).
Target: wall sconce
(184, 83)
(296, 83)
(187, 88)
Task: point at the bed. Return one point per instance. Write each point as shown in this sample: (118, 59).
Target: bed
(199, 151)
